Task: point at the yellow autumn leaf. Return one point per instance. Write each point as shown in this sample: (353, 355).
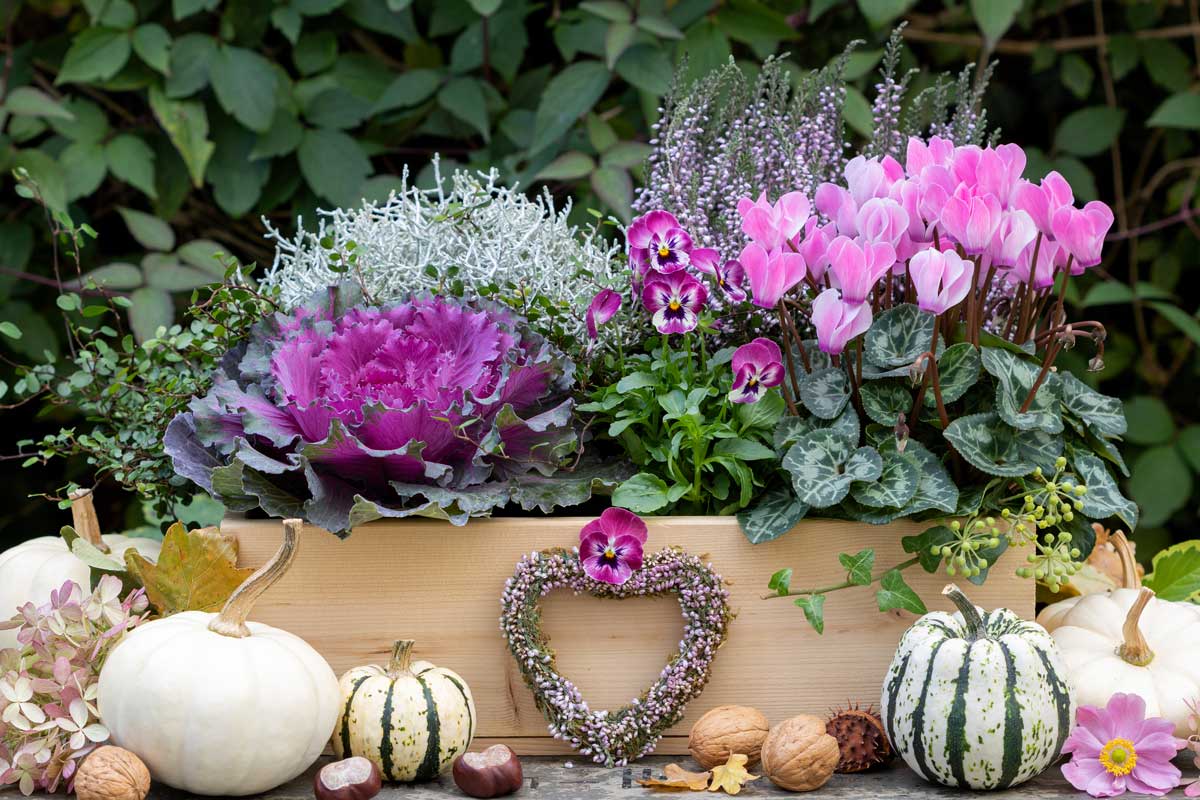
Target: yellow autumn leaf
(196, 571)
(678, 778)
(731, 776)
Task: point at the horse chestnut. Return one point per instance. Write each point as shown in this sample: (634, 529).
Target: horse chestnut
(493, 773)
(354, 778)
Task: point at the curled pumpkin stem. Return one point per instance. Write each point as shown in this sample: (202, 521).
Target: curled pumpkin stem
(232, 619)
(1129, 574)
(1135, 649)
(84, 519)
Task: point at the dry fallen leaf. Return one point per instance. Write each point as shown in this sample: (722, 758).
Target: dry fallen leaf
(731, 776)
(678, 778)
(196, 571)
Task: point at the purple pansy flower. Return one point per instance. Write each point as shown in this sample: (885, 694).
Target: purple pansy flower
(729, 276)
(610, 547)
(675, 300)
(604, 306)
(757, 366)
(657, 242)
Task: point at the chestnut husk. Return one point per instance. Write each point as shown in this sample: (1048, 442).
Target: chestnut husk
(493, 773)
(365, 784)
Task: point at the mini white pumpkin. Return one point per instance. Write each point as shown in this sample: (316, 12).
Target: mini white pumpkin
(1130, 641)
(411, 718)
(218, 706)
(1053, 614)
(30, 571)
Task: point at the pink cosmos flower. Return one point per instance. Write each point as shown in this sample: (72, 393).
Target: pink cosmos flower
(857, 267)
(657, 242)
(610, 547)
(604, 306)
(731, 279)
(942, 279)
(1015, 232)
(1116, 749)
(1041, 202)
(757, 366)
(675, 299)
(772, 274)
(837, 321)
(769, 225)
(971, 219)
(1082, 232)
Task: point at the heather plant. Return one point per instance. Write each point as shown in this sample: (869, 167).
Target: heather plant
(48, 685)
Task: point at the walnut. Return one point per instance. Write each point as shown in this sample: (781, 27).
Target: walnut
(727, 730)
(799, 755)
(112, 773)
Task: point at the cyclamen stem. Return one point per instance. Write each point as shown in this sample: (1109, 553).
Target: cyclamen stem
(844, 584)
(1051, 354)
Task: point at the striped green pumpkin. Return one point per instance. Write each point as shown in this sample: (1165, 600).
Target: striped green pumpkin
(411, 718)
(977, 700)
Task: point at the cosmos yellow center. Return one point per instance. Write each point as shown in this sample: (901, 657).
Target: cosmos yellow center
(674, 305)
(1119, 757)
(664, 251)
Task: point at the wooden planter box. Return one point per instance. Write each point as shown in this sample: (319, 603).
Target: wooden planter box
(441, 585)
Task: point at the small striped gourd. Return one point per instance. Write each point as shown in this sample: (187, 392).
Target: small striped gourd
(410, 718)
(977, 700)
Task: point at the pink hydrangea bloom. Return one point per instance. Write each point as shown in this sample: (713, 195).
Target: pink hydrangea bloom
(1116, 749)
(610, 547)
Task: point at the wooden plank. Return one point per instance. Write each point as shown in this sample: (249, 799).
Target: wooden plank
(441, 585)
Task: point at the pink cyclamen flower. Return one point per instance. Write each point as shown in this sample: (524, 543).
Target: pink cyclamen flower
(1041, 202)
(772, 274)
(857, 267)
(1082, 232)
(972, 219)
(920, 155)
(1015, 232)
(815, 247)
(757, 366)
(610, 547)
(837, 321)
(1050, 256)
(657, 242)
(604, 306)
(882, 220)
(1116, 749)
(941, 279)
(771, 225)
(675, 299)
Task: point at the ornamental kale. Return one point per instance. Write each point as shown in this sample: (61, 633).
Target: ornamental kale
(342, 413)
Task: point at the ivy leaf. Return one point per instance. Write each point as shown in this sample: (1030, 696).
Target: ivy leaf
(1175, 573)
(244, 83)
(858, 566)
(96, 54)
(781, 582)
(813, 607)
(898, 336)
(1015, 378)
(825, 392)
(885, 401)
(958, 371)
(642, 494)
(895, 593)
(1103, 498)
(897, 482)
(1104, 415)
(567, 97)
(993, 447)
(823, 465)
(196, 571)
(922, 545)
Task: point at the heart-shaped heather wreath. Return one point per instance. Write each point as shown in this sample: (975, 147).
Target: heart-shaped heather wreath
(616, 737)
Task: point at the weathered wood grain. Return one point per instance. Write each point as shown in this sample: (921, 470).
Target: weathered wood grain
(441, 585)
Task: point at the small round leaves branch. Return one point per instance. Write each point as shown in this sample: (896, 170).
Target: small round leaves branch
(615, 737)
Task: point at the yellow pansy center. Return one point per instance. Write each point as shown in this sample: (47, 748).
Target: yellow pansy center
(663, 251)
(609, 552)
(1119, 757)
(674, 305)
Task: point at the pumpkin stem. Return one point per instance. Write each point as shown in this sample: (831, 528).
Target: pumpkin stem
(232, 619)
(401, 658)
(971, 616)
(1135, 650)
(84, 519)
(1129, 574)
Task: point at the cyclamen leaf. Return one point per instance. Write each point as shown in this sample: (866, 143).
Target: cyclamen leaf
(789, 429)
(196, 571)
(823, 465)
(958, 371)
(1175, 573)
(1103, 414)
(774, 515)
(993, 447)
(885, 401)
(813, 607)
(898, 336)
(858, 566)
(936, 488)
(1015, 377)
(896, 485)
(1103, 498)
(825, 392)
(895, 593)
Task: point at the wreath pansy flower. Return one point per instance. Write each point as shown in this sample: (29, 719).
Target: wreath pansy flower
(610, 547)
(1117, 749)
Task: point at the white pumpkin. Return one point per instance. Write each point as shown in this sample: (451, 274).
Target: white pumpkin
(32, 570)
(218, 706)
(1130, 641)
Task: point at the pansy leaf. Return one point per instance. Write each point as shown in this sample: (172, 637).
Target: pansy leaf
(1102, 414)
(813, 607)
(858, 566)
(1103, 498)
(898, 336)
(1015, 378)
(642, 494)
(958, 370)
(825, 392)
(993, 447)
(774, 515)
(885, 401)
(823, 465)
(897, 482)
(922, 546)
(765, 414)
(894, 593)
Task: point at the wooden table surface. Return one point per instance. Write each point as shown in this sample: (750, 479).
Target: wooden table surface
(556, 778)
